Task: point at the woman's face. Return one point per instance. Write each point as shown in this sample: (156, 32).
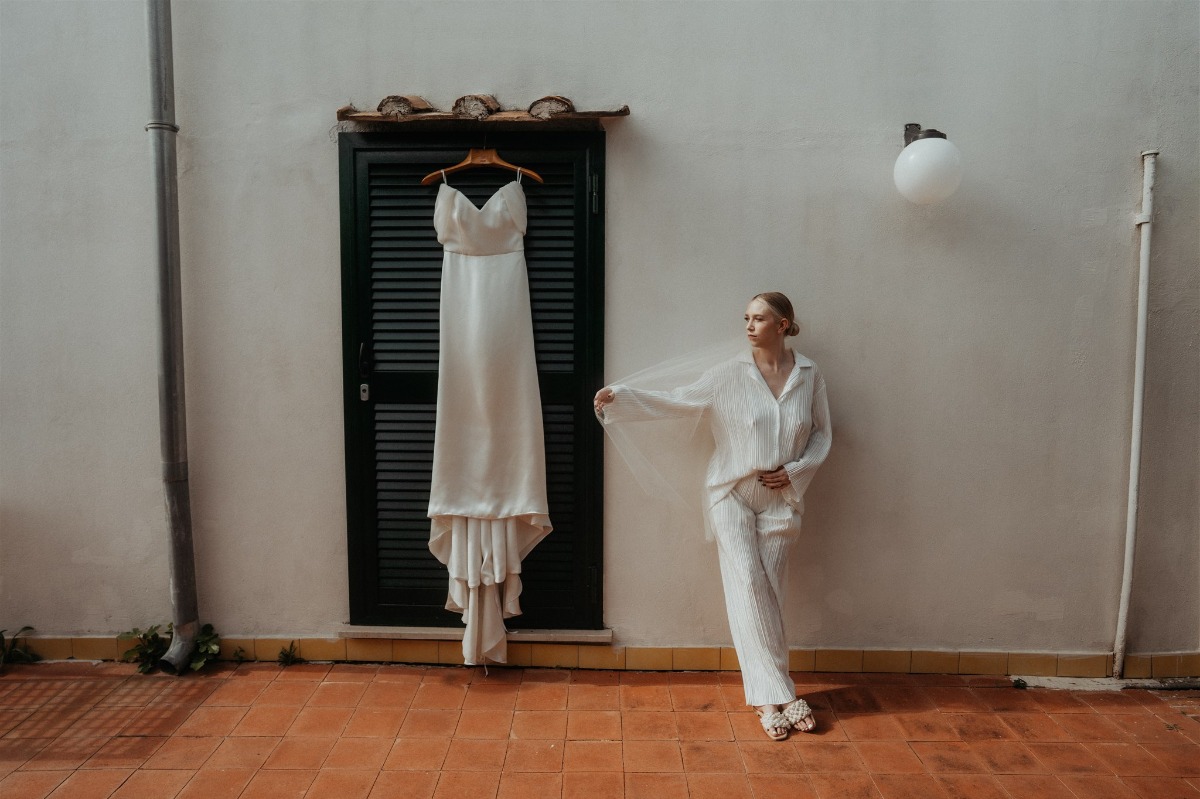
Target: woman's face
(763, 327)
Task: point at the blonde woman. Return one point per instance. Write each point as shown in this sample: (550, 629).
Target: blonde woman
(770, 421)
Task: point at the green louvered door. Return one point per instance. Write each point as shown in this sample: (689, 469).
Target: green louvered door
(391, 272)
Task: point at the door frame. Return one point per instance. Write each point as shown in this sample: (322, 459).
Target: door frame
(362, 534)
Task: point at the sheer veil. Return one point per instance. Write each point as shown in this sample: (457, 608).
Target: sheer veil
(669, 457)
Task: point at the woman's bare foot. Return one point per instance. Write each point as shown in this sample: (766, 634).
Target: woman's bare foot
(775, 724)
(799, 715)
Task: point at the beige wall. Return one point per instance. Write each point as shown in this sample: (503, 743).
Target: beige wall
(978, 353)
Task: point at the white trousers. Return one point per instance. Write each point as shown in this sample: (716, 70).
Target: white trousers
(755, 528)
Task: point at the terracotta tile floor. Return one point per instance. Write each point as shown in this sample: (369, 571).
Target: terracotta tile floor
(356, 731)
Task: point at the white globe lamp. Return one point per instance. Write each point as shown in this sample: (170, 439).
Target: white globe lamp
(929, 168)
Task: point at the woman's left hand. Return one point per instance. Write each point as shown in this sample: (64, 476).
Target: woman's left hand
(775, 480)
(603, 397)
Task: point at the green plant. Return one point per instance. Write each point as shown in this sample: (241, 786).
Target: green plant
(149, 649)
(239, 655)
(207, 648)
(289, 655)
(14, 651)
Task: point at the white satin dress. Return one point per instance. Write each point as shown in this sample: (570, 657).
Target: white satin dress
(487, 500)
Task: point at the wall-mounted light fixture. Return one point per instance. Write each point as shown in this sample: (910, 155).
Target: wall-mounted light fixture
(929, 168)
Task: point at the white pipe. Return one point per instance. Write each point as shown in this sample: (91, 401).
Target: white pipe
(1143, 223)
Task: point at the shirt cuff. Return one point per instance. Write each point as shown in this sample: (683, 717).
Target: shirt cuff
(790, 495)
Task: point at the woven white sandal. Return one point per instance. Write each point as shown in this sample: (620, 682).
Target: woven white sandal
(774, 721)
(799, 715)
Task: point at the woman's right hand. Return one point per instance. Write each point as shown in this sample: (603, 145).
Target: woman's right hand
(603, 397)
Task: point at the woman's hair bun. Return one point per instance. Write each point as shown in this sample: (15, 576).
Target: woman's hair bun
(781, 306)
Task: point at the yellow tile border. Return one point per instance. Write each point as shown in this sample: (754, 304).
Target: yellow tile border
(596, 657)
(933, 662)
(993, 663)
(1032, 664)
(230, 646)
(268, 649)
(1083, 666)
(1165, 666)
(58, 648)
(96, 648)
(890, 661)
(556, 656)
(841, 660)
(323, 648)
(368, 650)
(450, 653)
(520, 654)
(414, 652)
(376, 649)
(646, 658)
(696, 658)
(1137, 666)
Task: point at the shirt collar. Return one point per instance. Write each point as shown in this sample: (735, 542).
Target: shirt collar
(746, 356)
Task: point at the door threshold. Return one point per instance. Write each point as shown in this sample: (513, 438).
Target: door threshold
(456, 634)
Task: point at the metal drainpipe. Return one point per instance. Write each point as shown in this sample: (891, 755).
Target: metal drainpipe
(172, 417)
(1143, 222)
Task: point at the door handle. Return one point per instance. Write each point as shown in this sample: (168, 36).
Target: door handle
(365, 361)
(365, 364)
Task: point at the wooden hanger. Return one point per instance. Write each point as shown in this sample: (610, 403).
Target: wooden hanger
(481, 156)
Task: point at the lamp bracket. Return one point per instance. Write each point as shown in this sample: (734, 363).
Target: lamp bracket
(913, 131)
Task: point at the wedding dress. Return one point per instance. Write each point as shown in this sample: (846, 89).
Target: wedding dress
(488, 495)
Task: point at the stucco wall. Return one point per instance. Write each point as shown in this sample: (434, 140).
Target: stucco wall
(979, 353)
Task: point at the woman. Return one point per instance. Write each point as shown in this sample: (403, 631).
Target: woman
(770, 421)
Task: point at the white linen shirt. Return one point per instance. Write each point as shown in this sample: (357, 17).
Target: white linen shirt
(754, 432)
